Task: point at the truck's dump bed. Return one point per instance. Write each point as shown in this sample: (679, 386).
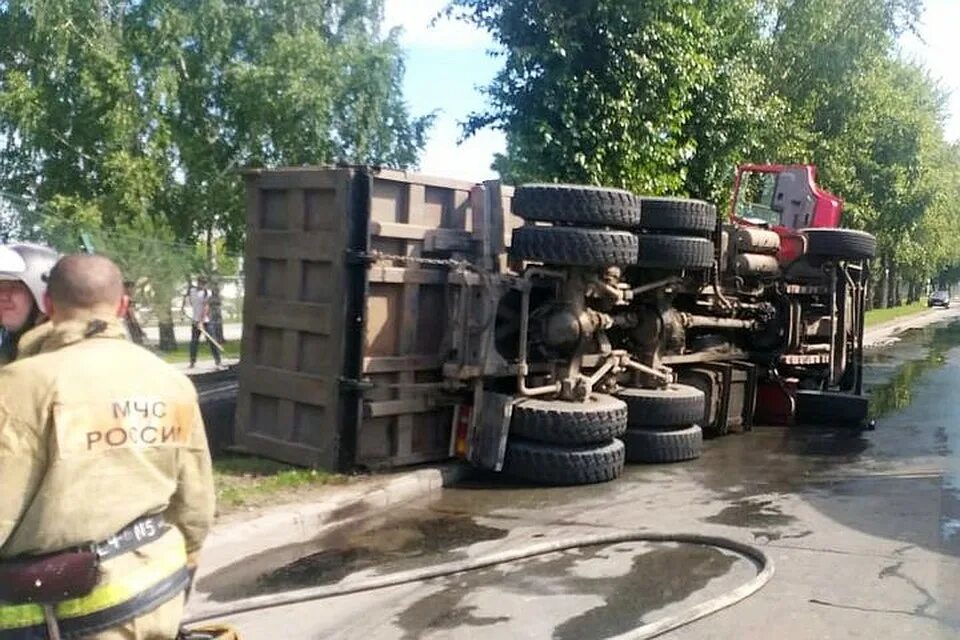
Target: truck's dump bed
(333, 348)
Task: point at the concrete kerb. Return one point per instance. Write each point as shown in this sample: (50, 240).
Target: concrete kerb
(886, 333)
(302, 522)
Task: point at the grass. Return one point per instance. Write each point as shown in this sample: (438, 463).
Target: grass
(248, 481)
(879, 316)
(231, 349)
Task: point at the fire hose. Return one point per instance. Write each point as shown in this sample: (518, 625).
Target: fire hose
(649, 630)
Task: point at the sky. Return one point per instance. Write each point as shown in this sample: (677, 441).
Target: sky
(448, 63)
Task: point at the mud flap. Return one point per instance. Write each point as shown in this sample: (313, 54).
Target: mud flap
(831, 409)
(487, 428)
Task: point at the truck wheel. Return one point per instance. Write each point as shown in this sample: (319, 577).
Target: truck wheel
(677, 214)
(827, 408)
(573, 246)
(677, 405)
(552, 464)
(848, 244)
(599, 419)
(663, 446)
(675, 252)
(576, 204)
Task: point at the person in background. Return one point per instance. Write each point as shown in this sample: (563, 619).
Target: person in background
(107, 483)
(133, 325)
(198, 300)
(24, 269)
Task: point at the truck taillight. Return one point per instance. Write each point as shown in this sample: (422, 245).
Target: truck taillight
(461, 428)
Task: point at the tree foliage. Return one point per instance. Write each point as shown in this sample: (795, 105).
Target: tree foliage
(133, 117)
(668, 97)
(145, 110)
(614, 92)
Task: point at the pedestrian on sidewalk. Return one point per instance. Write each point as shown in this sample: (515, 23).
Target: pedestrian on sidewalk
(107, 486)
(198, 299)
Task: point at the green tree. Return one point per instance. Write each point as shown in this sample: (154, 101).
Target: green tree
(668, 97)
(280, 83)
(871, 122)
(655, 97)
(136, 116)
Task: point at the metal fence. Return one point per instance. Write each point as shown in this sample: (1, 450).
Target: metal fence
(158, 270)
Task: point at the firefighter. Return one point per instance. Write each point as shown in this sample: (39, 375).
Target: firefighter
(104, 469)
(22, 287)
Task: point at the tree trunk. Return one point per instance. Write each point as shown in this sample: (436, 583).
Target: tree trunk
(133, 326)
(216, 311)
(168, 338)
(884, 288)
(893, 295)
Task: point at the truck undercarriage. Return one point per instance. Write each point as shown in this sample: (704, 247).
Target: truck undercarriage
(650, 322)
(551, 332)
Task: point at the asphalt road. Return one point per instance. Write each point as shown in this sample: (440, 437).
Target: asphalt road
(864, 530)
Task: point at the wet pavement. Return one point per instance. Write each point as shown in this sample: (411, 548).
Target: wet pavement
(864, 529)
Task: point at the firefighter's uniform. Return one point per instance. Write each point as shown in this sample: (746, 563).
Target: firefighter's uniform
(95, 434)
(31, 343)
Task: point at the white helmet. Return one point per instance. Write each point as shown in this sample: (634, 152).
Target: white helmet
(33, 268)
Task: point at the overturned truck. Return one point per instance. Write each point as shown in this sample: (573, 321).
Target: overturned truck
(549, 332)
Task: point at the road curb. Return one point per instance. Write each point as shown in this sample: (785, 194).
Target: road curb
(300, 523)
(883, 334)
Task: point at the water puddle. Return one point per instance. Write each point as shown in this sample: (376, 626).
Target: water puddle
(949, 528)
(752, 514)
(618, 586)
(655, 580)
(824, 442)
(897, 392)
(385, 546)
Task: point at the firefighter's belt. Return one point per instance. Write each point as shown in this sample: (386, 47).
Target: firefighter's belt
(55, 577)
(81, 607)
(134, 535)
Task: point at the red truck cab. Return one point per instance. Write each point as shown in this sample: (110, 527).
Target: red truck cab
(784, 198)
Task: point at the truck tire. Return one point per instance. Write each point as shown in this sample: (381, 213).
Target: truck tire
(551, 464)
(600, 419)
(825, 408)
(678, 215)
(576, 204)
(218, 407)
(848, 244)
(675, 252)
(574, 246)
(645, 445)
(677, 405)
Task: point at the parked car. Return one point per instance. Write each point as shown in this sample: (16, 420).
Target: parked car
(939, 299)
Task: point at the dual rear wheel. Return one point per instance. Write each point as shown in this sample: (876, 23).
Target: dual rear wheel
(564, 443)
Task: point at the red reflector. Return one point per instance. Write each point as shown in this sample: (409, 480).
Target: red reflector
(461, 429)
